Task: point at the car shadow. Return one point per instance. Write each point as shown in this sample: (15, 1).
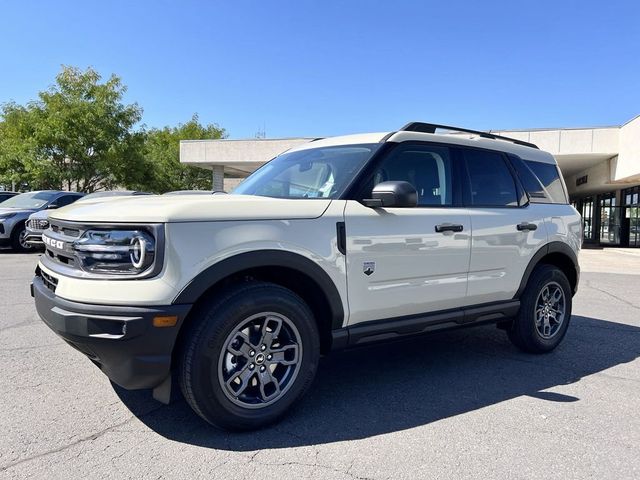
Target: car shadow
(375, 390)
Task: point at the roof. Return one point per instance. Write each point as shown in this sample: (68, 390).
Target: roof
(470, 140)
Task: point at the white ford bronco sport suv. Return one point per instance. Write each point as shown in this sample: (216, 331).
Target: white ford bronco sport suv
(336, 243)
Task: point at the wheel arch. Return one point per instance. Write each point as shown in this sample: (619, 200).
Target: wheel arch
(290, 270)
(18, 226)
(558, 254)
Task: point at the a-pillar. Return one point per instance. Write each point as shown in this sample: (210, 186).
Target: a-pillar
(217, 177)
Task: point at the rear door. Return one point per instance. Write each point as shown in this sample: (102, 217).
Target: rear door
(507, 229)
(397, 263)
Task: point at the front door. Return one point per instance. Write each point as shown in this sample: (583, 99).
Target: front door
(397, 263)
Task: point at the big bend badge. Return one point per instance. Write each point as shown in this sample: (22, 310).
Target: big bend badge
(368, 268)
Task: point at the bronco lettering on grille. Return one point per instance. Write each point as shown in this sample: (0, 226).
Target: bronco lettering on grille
(53, 243)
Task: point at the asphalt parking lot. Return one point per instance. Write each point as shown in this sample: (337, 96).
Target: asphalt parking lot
(459, 405)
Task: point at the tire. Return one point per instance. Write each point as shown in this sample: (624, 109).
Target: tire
(232, 390)
(17, 239)
(530, 331)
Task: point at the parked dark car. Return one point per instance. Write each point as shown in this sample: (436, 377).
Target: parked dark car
(15, 211)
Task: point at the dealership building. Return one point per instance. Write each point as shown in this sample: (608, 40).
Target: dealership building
(600, 165)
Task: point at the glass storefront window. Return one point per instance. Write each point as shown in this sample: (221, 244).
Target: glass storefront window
(588, 213)
(632, 215)
(609, 219)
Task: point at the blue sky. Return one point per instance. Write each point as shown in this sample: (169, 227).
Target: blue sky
(317, 68)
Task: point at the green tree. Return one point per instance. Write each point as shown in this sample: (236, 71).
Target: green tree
(77, 135)
(162, 152)
(16, 144)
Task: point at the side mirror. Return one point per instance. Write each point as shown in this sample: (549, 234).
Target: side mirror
(392, 194)
(52, 206)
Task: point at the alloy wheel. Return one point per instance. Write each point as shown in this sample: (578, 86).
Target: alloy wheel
(260, 360)
(22, 239)
(550, 310)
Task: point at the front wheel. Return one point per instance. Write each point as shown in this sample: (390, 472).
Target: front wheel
(249, 355)
(18, 239)
(545, 311)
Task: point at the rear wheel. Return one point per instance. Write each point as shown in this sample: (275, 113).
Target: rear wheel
(545, 311)
(249, 355)
(18, 239)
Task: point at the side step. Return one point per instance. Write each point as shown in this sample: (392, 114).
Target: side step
(394, 328)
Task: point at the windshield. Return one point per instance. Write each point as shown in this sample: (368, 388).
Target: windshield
(29, 200)
(323, 172)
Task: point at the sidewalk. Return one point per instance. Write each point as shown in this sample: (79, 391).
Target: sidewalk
(611, 260)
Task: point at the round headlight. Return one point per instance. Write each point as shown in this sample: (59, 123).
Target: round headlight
(138, 251)
(120, 252)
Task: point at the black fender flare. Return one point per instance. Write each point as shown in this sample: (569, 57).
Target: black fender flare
(264, 258)
(552, 247)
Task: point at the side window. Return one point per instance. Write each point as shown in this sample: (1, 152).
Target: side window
(549, 177)
(490, 179)
(427, 168)
(535, 190)
(65, 200)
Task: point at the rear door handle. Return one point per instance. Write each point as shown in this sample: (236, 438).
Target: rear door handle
(526, 226)
(449, 227)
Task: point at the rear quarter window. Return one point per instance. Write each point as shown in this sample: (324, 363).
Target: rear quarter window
(541, 181)
(549, 176)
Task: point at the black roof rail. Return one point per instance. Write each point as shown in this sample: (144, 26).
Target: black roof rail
(432, 127)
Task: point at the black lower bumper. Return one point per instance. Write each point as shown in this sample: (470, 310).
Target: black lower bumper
(122, 341)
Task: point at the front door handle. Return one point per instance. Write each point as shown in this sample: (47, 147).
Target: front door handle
(526, 226)
(449, 227)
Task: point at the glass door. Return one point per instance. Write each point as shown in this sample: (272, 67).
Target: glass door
(631, 219)
(609, 220)
(588, 213)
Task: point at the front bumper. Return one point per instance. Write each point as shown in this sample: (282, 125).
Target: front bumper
(121, 341)
(34, 238)
(5, 234)
(6, 228)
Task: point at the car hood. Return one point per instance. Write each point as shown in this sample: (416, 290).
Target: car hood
(191, 208)
(17, 211)
(40, 215)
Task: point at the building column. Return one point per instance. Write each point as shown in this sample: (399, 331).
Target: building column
(217, 178)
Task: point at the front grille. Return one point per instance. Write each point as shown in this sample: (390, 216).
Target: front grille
(37, 224)
(64, 230)
(49, 281)
(61, 257)
(67, 234)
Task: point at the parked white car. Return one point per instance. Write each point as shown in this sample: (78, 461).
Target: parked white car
(15, 211)
(38, 222)
(336, 243)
